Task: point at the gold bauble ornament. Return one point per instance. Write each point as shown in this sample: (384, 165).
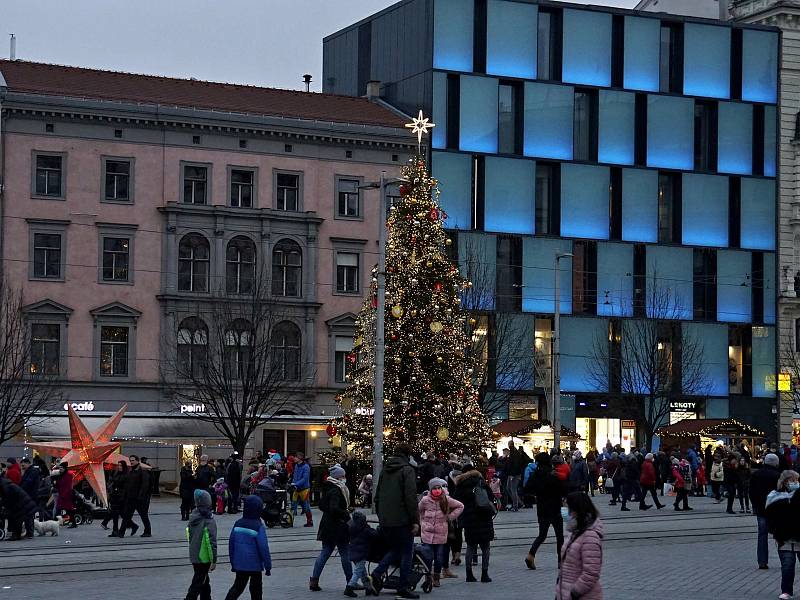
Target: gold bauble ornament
(472, 322)
(439, 359)
(414, 312)
(397, 360)
(429, 264)
(448, 242)
(397, 311)
(442, 434)
(436, 326)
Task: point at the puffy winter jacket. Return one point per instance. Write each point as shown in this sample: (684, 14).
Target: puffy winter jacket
(648, 476)
(361, 537)
(301, 476)
(678, 479)
(248, 546)
(581, 563)
(717, 472)
(433, 522)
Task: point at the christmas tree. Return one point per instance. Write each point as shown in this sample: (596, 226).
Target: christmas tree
(430, 396)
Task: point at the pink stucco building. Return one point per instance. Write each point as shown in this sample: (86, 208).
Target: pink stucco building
(128, 200)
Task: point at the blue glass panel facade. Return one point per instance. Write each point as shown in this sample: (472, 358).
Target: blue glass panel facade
(642, 54)
(764, 372)
(670, 282)
(579, 368)
(706, 60)
(439, 133)
(587, 47)
(713, 339)
(478, 116)
(639, 205)
(769, 288)
(758, 214)
(735, 135)
(734, 286)
(548, 120)
(615, 280)
(538, 264)
(705, 210)
(584, 201)
(477, 257)
(617, 112)
(759, 66)
(515, 372)
(670, 132)
(770, 141)
(454, 171)
(453, 26)
(717, 408)
(510, 203)
(511, 29)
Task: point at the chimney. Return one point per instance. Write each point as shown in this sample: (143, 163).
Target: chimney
(307, 81)
(13, 52)
(373, 90)
(723, 10)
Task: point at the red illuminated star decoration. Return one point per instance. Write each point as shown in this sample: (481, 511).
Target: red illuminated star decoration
(88, 454)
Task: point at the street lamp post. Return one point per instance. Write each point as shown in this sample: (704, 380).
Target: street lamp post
(555, 368)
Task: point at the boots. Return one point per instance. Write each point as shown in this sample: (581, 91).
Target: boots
(470, 576)
(456, 558)
(309, 522)
(448, 574)
(349, 592)
(530, 561)
(643, 506)
(437, 580)
(313, 584)
(485, 577)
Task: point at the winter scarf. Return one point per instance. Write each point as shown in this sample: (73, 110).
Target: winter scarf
(342, 488)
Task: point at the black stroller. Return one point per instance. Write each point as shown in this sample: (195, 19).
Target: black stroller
(421, 566)
(3, 521)
(276, 511)
(85, 510)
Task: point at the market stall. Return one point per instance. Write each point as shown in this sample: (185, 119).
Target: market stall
(533, 435)
(702, 432)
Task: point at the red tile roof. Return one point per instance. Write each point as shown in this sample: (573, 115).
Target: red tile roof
(77, 82)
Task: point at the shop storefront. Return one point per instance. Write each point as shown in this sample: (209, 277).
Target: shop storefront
(533, 435)
(683, 409)
(595, 433)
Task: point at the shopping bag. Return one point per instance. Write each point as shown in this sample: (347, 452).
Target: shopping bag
(669, 490)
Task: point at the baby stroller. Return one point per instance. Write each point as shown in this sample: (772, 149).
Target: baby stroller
(421, 565)
(3, 519)
(275, 505)
(85, 510)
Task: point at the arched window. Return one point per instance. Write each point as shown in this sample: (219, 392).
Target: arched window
(193, 261)
(286, 351)
(287, 266)
(240, 265)
(239, 341)
(192, 347)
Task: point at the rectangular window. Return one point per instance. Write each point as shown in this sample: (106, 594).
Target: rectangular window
(735, 138)
(705, 285)
(347, 273)
(707, 61)
(616, 127)
(640, 193)
(757, 213)
(584, 278)
(548, 45)
(549, 114)
(509, 274)
(584, 127)
(288, 192)
(547, 196)
(116, 258)
(734, 286)
(45, 349)
(739, 369)
(511, 39)
(705, 136)
(584, 201)
(242, 187)
(348, 198)
(705, 202)
(47, 255)
(118, 184)
(760, 66)
(195, 181)
(342, 363)
(114, 351)
(456, 197)
(641, 51)
(670, 132)
(538, 264)
(587, 47)
(671, 58)
(453, 30)
(49, 175)
(478, 114)
(614, 284)
(669, 289)
(668, 208)
(509, 195)
(507, 119)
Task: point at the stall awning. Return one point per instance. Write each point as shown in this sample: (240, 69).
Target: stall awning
(710, 428)
(518, 427)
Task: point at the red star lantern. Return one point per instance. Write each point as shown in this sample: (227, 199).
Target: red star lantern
(88, 454)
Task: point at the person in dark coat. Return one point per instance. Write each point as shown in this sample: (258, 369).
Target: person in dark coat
(351, 466)
(19, 507)
(631, 486)
(477, 523)
(548, 490)
(136, 499)
(205, 477)
(30, 483)
(361, 538)
(116, 497)
(63, 481)
(333, 532)
(186, 490)
(731, 470)
(763, 481)
(233, 479)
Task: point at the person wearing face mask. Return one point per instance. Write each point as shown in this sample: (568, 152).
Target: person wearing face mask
(334, 531)
(781, 509)
(582, 555)
(436, 509)
(763, 481)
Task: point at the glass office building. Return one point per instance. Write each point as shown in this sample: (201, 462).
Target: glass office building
(644, 145)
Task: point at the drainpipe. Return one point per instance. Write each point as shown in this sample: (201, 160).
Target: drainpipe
(723, 10)
(3, 92)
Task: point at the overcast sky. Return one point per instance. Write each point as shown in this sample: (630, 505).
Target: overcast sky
(261, 42)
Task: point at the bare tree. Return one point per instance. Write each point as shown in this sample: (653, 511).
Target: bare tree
(239, 355)
(500, 342)
(646, 363)
(28, 370)
(789, 364)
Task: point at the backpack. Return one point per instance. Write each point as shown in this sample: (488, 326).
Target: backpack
(482, 502)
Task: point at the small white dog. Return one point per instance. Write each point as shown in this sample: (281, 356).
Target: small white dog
(51, 527)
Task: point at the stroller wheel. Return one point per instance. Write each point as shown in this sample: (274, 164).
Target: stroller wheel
(89, 520)
(287, 520)
(427, 585)
(2, 534)
(77, 519)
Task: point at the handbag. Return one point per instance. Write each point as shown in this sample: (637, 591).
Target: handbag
(609, 483)
(482, 502)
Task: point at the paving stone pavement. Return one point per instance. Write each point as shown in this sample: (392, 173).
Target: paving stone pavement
(659, 555)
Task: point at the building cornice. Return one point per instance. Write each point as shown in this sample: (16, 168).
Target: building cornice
(215, 210)
(781, 13)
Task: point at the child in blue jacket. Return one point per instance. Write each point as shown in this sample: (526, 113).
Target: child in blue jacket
(249, 550)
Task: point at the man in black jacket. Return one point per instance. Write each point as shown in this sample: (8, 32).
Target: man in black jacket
(515, 466)
(548, 490)
(31, 480)
(18, 506)
(762, 482)
(136, 498)
(233, 479)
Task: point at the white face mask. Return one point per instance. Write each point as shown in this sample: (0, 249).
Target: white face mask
(564, 513)
(793, 485)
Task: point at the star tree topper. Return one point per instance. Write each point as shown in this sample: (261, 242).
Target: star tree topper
(88, 454)
(420, 125)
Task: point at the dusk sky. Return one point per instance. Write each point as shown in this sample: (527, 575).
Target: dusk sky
(261, 42)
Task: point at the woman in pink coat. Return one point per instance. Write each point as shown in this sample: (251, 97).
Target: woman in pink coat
(436, 510)
(582, 555)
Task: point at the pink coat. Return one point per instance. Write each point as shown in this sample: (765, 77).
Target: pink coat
(433, 522)
(581, 562)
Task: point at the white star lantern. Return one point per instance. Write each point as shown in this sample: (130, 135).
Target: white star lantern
(420, 125)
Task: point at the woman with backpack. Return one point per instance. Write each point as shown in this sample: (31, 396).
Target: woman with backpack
(582, 556)
(682, 481)
(476, 519)
(436, 510)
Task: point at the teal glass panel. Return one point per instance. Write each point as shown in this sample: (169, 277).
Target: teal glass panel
(511, 34)
(538, 275)
(509, 194)
(705, 210)
(584, 201)
(548, 120)
(454, 173)
(734, 286)
(453, 30)
(639, 205)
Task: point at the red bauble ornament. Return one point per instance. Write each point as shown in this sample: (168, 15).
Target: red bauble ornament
(374, 302)
(433, 214)
(437, 286)
(404, 190)
(331, 430)
(351, 357)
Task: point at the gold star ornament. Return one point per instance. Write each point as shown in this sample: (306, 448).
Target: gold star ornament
(420, 125)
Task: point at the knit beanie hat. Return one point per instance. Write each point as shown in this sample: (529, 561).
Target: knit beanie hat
(336, 472)
(771, 460)
(202, 499)
(436, 482)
